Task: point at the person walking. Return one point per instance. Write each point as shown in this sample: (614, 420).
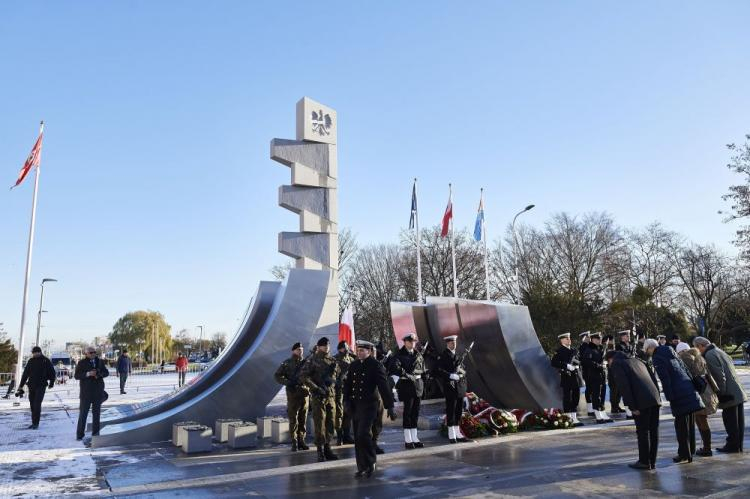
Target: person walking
(319, 374)
(698, 369)
(124, 368)
(567, 363)
(366, 384)
(181, 365)
(90, 373)
(677, 385)
(641, 394)
(297, 396)
(39, 374)
(731, 395)
(409, 367)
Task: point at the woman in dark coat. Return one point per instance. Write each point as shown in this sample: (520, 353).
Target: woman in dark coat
(684, 401)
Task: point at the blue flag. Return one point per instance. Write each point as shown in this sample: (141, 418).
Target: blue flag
(413, 218)
(478, 225)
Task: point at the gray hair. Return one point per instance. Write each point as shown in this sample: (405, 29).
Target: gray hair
(650, 343)
(90, 348)
(701, 341)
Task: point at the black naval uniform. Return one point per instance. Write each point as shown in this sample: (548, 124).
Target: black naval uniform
(454, 391)
(581, 352)
(365, 386)
(595, 375)
(409, 367)
(568, 379)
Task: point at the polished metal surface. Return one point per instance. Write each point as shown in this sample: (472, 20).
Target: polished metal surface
(255, 316)
(507, 366)
(245, 387)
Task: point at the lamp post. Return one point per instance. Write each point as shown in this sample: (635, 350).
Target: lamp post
(200, 343)
(515, 249)
(39, 315)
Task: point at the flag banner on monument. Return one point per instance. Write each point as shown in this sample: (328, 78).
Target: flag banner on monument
(32, 161)
(447, 217)
(479, 224)
(346, 326)
(413, 218)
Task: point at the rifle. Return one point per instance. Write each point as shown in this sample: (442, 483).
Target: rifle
(294, 378)
(459, 363)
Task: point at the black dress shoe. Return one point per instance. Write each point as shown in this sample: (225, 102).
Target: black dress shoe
(348, 440)
(600, 421)
(728, 450)
(409, 445)
(639, 466)
(359, 473)
(462, 440)
(31, 427)
(379, 450)
(682, 460)
(590, 414)
(369, 471)
(418, 445)
(453, 441)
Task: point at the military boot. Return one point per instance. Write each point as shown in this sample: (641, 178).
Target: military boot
(294, 446)
(321, 455)
(339, 438)
(301, 445)
(328, 453)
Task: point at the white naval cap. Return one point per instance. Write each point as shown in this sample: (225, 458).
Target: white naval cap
(365, 344)
(450, 338)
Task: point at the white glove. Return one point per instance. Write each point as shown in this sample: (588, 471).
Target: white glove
(571, 367)
(395, 379)
(454, 377)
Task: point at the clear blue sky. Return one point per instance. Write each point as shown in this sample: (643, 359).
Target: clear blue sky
(157, 190)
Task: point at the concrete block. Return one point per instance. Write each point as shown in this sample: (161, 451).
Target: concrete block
(242, 435)
(320, 157)
(306, 176)
(196, 439)
(322, 248)
(280, 431)
(264, 426)
(316, 122)
(176, 430)
(221, 428)
(313, 199)
(310, 222)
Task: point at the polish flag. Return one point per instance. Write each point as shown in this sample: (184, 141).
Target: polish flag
(346, 326)
(33, 160)
(447, 217)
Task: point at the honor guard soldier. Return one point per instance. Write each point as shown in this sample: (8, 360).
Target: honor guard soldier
(625, 347)
(661, 339)
(343, 423)
(585, 339)
(365, 386)
(409, 366)
(319, 374)
(566, 361)
(297, 396)
(386, 359)
(453, 375)
(592, 359)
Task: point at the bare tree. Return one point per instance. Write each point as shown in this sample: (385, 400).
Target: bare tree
(651, 260)
(739, 195)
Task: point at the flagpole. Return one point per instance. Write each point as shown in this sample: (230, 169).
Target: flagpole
(453, 245)
(484, 239)
(419, 251)
(19, 363)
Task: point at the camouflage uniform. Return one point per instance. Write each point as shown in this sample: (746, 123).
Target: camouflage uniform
(320, 373)
(343, 420)
(296, 396)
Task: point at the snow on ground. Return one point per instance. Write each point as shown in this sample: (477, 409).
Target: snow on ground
(49, 461)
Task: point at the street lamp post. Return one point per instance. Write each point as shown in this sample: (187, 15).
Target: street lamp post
(39, 316)
(515, 250)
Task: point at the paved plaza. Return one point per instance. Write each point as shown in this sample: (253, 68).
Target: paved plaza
(588, 461)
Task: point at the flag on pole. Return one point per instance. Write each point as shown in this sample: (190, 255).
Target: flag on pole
(413, 218)
(447, 216)
(346, 326)
(33, 160)
(479, 224)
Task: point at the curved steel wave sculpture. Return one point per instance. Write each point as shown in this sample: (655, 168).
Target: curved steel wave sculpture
(241, 383)
(507, 366)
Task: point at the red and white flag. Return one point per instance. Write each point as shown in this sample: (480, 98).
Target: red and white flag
(447, 216)
(33, 160)
(346, 326)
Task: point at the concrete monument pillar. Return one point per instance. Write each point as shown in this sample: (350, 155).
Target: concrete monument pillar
(312, 195)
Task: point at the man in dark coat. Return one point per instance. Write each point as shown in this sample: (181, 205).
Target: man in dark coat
(90, 373)
(641, 393)
(124, 368)
(452, 372)
(585, 338)
(365, 384)
(386, 358)
(343, 420)
(684, 401)
(409, 366)
(38, 374)
(628, 349)
(297, 396)
(567, 363)
(594, 372)
(732, 396)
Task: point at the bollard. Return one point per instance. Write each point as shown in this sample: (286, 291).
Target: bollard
(242, 435)
(280, 431)
(176, 431)
(221, 428)
(196, 439)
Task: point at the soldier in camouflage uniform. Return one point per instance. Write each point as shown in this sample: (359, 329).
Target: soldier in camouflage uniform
(319, 374)
(297, 396)
(343, 420)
